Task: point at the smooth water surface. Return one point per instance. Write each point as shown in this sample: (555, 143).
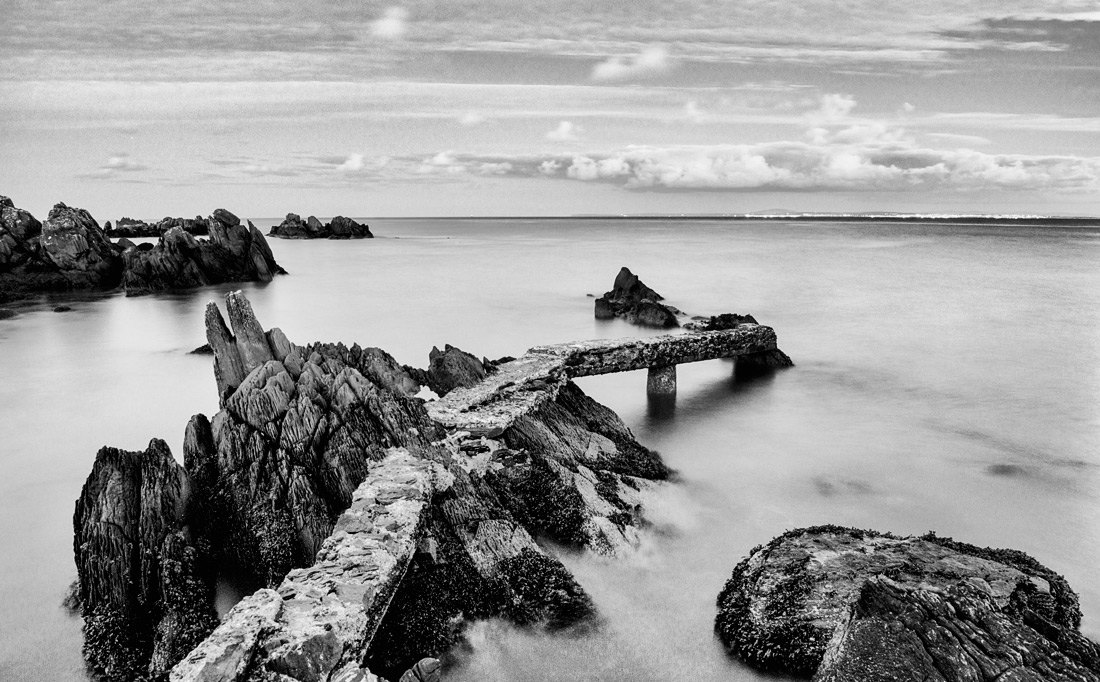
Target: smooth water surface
(947, 379)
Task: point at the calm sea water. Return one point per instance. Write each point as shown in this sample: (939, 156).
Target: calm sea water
(948, 378)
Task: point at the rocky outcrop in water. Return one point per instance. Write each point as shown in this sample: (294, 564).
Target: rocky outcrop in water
(68, 251)
(141, 594)
(71, 251)
(840, 604)
(381, 531)
(234, 253)
(293, 227)
(633, 301)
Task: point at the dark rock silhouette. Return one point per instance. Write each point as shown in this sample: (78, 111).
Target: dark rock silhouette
(233, 253)
(142, 598)
(633, 301)
(293, 227)
(452, 367)
(841, 604)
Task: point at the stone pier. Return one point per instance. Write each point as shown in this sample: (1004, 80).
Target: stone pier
(524, 384)
(661, 381)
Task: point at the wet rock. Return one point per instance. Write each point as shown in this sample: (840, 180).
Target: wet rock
(19, 233)
(61, 309)
(130, 228)
(451, 368)
(234, 253)
(425, 670)
(204, 349)
(292, 227)
(7, 313)
(844, 604)
(141, 597)
(633, 301)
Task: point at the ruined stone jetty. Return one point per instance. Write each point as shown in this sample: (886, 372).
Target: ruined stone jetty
(523, 385)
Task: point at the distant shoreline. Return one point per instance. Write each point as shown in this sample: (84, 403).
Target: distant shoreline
(1034, 221)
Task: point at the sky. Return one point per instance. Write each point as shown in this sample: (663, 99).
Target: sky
(558, 107)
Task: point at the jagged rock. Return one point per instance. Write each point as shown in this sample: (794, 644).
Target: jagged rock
(293, 227)
(74, 242)
(312, 478)
(19, 233)
(425, 670)
(844, 604)
(234, 253)
(450, 368)
(633, 301)
(143, 603)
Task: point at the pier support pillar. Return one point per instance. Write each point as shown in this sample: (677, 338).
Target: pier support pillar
(661, 381)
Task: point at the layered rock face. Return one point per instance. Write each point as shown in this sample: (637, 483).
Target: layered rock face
(381, 531)
(293, 227)
(234, 253)
(68, 251)
(841, 604)
(633, 301)
(143, 600)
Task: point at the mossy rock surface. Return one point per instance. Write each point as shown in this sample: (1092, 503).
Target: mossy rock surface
(796, 601)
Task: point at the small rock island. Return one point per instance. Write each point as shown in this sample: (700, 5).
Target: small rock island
(293, 227)
(841, 604)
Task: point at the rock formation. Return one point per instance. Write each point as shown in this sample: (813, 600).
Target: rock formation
(143, 600)
(450, 368)
(70, 251)
(841, 604)
(381, 531)
(633, 301)
(234, 253)
(293, 227)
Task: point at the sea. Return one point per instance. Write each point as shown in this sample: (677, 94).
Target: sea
(947, 378)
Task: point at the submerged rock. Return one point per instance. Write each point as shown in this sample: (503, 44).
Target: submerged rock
(633, 301)
(234, 253)
(293, 227)
(844, 604)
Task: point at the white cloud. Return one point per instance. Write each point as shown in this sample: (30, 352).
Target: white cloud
(692, 112)
(122, 163)
(649, 62)
(860, 158)
(565, 132)
(353, 163)
(834, 107)
(391, 25)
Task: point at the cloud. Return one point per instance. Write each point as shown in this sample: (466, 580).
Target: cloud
(834, 107)
(953, 138)
(565, 132)
(123, 163)
(353, 163)
(651, 61)
(693, 113)
(864, 158)
(392, 25)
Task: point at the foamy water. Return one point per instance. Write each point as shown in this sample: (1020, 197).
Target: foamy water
(947, 379)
